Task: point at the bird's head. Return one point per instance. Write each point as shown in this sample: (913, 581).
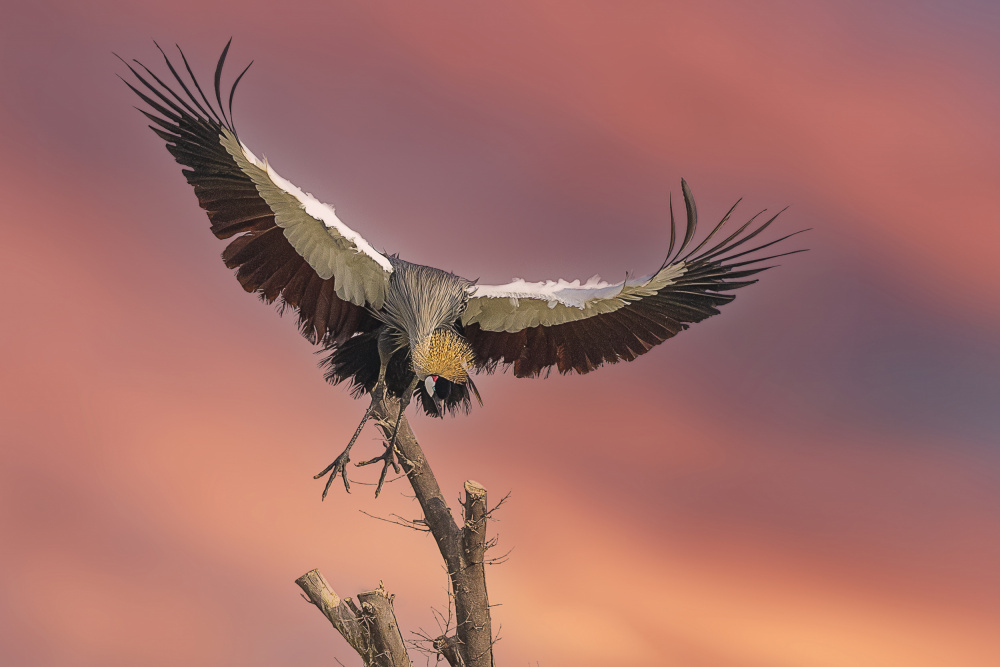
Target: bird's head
(441, 359)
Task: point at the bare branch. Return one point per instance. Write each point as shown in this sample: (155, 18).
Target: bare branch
(379, 617)
(425, 486)
(489, 512)
(418, 525)
(471, 601)
(423, 642)
(499, 560)
(337, 610)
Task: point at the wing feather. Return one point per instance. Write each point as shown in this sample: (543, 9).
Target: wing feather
(579, 327)
(288, 246)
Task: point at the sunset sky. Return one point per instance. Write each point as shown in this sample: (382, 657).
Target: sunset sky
(810, 479)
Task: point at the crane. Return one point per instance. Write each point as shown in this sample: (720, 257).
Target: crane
(392, 327)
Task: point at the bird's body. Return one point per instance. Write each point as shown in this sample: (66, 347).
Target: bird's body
(389, 325)
(420, 300)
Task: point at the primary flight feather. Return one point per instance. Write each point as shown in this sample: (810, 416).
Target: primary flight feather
(395, 327)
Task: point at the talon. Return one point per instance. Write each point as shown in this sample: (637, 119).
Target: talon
(381, 478)
(386, 458)
(325, 470)
(338, 466)
(390, 448)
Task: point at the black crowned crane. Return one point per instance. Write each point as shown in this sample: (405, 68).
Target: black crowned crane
(393, 327)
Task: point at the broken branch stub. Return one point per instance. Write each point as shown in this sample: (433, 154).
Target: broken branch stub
(336, 610)
(378, 615)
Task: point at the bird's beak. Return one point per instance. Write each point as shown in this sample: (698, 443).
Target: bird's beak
(438, 405)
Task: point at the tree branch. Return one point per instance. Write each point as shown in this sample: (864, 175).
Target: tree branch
(425, 485)
(472, 606)
(334, 608)
(379, 617)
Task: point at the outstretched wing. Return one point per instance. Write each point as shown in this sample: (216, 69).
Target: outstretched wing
(288, 244)
(578, 327)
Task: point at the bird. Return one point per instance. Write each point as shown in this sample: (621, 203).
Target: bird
(389, 327)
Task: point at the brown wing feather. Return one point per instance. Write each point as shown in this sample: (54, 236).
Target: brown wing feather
(264, 260)
(586, 344)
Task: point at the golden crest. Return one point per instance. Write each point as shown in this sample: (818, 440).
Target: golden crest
(446, 354)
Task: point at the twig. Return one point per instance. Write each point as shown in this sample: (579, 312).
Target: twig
(418, 525)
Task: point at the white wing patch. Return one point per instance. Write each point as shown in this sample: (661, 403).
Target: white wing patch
(553, 291)
(317, 209)
(331, 248)
(519, 304)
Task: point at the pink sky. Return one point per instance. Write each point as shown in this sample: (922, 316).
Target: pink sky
(809, 479)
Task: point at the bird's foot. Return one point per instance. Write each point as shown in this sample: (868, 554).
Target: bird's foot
(390, 448)
(387, 458)
(339, 465)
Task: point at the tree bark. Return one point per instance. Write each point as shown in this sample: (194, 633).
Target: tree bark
(462, 549)
(379, 617)
(449, 648)
(341, 616)
(472, 607)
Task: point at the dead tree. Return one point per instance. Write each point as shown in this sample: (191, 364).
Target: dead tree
(371, 628)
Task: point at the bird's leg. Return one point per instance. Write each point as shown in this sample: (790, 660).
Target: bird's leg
(389, 456)
(339, 465)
